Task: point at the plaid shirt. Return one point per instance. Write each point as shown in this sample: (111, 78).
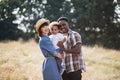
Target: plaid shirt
(73, 62)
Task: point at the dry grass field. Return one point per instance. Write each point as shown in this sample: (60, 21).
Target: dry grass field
(21, 60)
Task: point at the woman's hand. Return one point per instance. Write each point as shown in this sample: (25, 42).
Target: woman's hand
(60, 56)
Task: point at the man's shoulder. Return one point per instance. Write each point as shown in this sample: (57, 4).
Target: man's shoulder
(76, 33)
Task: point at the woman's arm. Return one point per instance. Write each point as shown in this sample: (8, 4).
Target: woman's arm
(48, 45)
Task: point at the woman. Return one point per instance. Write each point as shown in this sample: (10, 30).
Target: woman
(49, 67)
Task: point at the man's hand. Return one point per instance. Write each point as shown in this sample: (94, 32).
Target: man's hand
(60, 44)
(64, 40)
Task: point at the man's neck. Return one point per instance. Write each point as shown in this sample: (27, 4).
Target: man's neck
(65, 34)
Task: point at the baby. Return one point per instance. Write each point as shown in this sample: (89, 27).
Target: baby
(55, 37)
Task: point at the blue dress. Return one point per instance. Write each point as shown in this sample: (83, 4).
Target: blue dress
(49, 68)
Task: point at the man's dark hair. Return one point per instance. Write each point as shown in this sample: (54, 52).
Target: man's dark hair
(62, 18)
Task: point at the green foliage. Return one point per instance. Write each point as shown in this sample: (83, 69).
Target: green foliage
(52, 9)
(8, 29)
(95, 20)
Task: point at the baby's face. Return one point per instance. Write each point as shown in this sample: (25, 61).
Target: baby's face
(54, 30)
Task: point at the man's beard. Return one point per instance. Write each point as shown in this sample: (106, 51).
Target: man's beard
(66, 31)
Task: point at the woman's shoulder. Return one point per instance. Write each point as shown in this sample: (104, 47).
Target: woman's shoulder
(44, 38)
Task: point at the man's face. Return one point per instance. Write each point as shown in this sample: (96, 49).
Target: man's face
(64, 27)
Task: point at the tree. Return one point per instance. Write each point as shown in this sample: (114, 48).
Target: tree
(31, 11)
(95, 18)
(8, 29)
(52, 9)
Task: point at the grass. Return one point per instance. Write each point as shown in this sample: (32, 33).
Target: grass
(102, 64)
(21, 60)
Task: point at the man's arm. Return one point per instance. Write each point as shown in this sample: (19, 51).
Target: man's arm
(75, 50)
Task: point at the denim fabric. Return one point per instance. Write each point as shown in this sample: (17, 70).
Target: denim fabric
(49, 67)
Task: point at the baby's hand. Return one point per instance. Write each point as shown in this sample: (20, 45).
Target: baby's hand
(64, 40)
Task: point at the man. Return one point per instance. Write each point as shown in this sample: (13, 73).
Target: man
(73, 62)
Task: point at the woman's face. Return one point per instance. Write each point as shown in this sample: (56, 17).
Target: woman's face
(45, 30)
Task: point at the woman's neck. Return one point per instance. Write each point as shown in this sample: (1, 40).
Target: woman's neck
(45, 34)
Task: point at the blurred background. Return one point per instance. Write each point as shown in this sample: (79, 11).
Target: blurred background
(98, 21)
